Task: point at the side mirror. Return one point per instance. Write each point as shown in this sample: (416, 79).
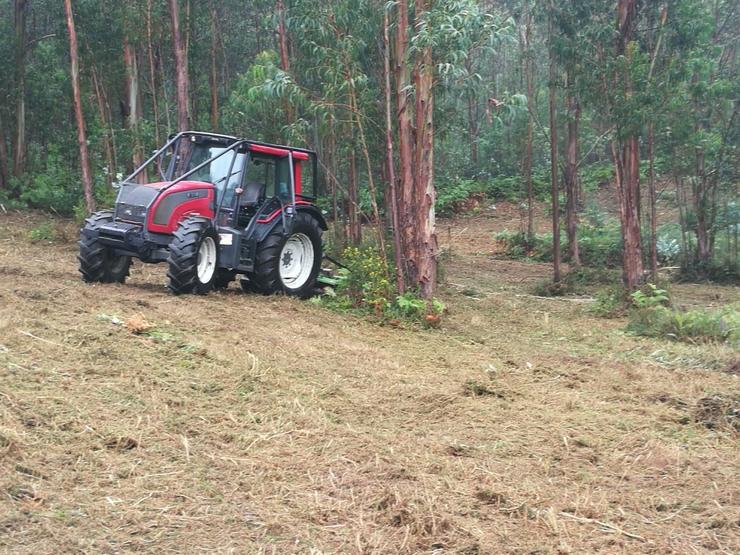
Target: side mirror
(116, 185)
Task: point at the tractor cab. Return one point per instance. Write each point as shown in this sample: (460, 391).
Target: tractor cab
(242, 192)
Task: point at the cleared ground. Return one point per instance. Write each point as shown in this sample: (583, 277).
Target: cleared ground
(246, 424)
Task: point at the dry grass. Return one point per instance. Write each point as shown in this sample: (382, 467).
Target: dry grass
(131, 420)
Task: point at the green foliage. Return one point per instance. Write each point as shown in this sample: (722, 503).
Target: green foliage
(43, 233)
(452, 194)
(691, 326)
(56, 188)
(597, 175)
(363, 286)
(365, 279)
(650, 296)
(610, 302)
(579, 281)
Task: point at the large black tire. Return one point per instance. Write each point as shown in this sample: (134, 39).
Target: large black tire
(194, 240)
(98, 263)
(272, 253)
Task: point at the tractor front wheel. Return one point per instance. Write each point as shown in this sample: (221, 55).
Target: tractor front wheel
(98, 263)
(288, 264)
(193, 260)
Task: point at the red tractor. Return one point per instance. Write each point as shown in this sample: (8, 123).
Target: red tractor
(223, 207)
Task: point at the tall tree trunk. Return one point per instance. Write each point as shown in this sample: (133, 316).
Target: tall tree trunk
(554, 192)
(627, 162)
(701, 203)
(152, 70)
(355, 223)
(181, 69)
(405, 143)
(77, 101)
(20, 12)
(653, 204)
(571, 173)
(105, 124)
(426, 249)
(4, 165)
(284, 52)
(134, 102)
(527, 162)
(391, 171)
(214, 69)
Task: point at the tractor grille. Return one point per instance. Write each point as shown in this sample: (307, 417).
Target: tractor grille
(131, 213)
(133, 201)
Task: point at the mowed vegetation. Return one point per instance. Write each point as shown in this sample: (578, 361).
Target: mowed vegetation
(132, 420)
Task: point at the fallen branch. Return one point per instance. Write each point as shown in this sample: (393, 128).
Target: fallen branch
(609, 527)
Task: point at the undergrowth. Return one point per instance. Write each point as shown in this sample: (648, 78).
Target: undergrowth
(690, 326)
(365, 286)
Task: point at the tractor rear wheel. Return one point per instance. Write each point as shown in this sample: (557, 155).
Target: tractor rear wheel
(288, 264)
(193, 260)
(98, 263)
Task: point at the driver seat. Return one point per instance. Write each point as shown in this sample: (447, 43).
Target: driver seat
(253, 194)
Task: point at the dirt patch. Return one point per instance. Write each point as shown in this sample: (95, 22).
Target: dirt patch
(719, 412)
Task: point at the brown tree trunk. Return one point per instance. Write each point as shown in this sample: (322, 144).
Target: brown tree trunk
(152, 71)
(627, 164)
(77, 101)
(284, 52)
(426, 249)
(20, 12)
(571, 174)
(4, 175)
(701, 209)
(527, 162)
(405, 143)
(653, 204)
(214, 69)
(391, 171)
(181, 70)
(355, 223)
(554, 193)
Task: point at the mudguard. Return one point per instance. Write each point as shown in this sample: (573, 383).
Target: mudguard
(266, 225)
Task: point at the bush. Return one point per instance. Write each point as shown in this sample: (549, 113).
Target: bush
(44, 232)
(578, 281)
(451, 195)
(364, 286)
(691, 326)
(597, 175)
(365, 279)
(610, 302)
(650, 296)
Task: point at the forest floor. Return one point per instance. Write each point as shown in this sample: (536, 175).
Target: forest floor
(249, 424)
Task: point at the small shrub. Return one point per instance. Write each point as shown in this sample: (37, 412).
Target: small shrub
(44, 232)
(365, 279)
(650, 296)
(610, 303)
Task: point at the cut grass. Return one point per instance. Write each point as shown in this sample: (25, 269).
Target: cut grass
(306, 431)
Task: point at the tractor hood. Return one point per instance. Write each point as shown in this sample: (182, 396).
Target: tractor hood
(134, 199)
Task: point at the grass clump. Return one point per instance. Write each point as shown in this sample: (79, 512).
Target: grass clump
(43, 233)
(579, 281)
(690, 326)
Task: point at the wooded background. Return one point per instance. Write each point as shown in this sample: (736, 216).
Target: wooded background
(411, 106)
